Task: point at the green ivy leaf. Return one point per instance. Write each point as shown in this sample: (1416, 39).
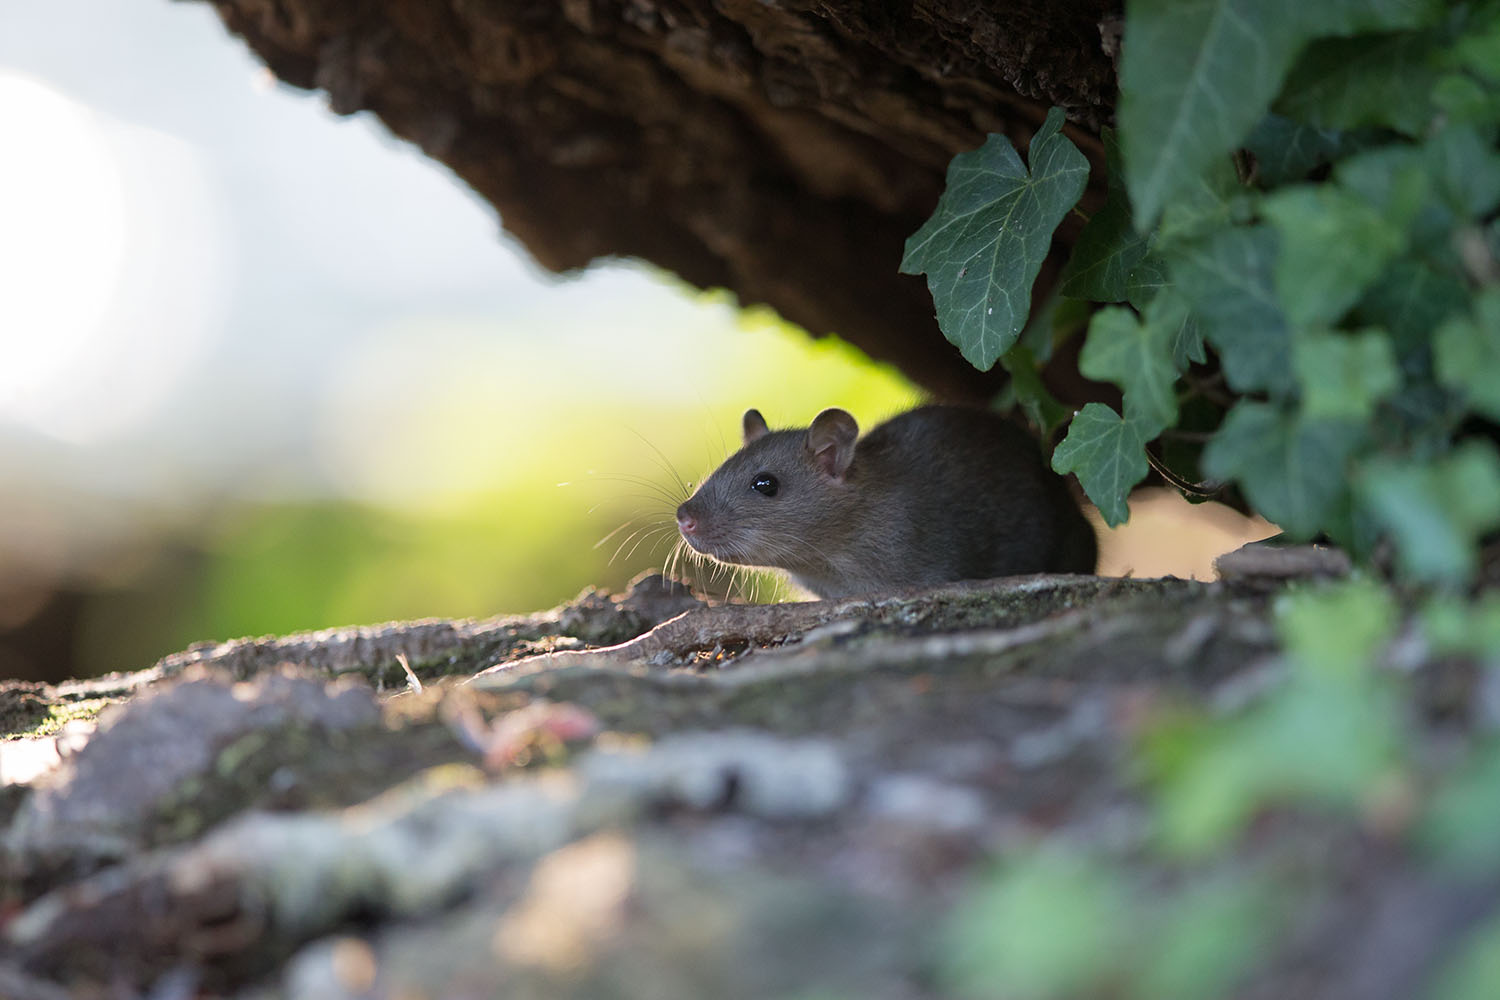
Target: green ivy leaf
(1478, 49)
(1193, 78)
(1290, 468)
(1107, 252)
(1137, 357)
(1196, 75)
(1410, 299)
(1460, 827)
(1046, 925)
(1210, 936)
(1348, 725)
(1370, 81)
(1436, 511)
(1204, 206)
(1287, 151)
(1108, 454)
(1392, 179)
(1463, 99)
(1169, 310)
(1473, 972)
(1315, 283)
(985, 243)
(1467, 354)
(1471, 628)
(1039, 405)
(1342, 375)
(1367, 616)
(1109, 249)
(1331, 708)
(1227, 278)
(1466, 171)
(1146, 281)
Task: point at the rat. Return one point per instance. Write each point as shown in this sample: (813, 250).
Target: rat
(933, 495)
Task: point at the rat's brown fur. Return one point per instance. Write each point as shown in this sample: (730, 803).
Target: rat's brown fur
(938, 494)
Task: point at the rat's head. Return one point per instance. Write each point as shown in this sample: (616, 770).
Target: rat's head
(779, 499)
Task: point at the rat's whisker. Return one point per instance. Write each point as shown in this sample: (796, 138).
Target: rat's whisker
(661, 457)
(657, 534)
(635, 536)
(658, 493)
(629, 522)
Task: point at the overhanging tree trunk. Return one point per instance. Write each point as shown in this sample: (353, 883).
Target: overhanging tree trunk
(782, 150)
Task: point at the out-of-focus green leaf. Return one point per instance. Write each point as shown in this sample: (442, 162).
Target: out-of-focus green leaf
(1317, 278)
(1137, 357)
(1170, 312)
(1195, 75)
(1106, 253)
(1394, 180)
(1454, 625)
(1478, 48)
(1228, 280)
(1436, 511)
(1366, 615)
(986, 241)
(1409, 300)
(1346, 83)
(1108, 454)
(1351, 731)
(1047, 925)
(1474, 973)
(1464, 100)
(1039, 405)
(1146, 281)
(1287, 151)
(1109, 248)
(1205, 205)
(1467, 354)
(1465, 169)
(1342, 375)
(1187, 343)
(1332, 709)
(1209, 937)
(1290, 468)
(1461, 825)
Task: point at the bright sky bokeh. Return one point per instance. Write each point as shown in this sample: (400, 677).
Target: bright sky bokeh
(185, 243)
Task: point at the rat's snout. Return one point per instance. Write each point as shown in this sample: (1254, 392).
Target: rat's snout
(686, 522)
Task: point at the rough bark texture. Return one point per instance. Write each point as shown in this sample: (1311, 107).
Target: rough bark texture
(745, 802)
(778, 148)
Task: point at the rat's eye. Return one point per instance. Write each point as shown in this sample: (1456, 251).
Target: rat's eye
(765, 484)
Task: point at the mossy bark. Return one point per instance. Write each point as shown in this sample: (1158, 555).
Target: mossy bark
(750, 802)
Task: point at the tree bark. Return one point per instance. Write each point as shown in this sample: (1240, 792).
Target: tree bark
(781, 149)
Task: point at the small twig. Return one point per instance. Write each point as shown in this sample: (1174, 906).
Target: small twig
(766, 624)
(412, 681)
(1208, 488)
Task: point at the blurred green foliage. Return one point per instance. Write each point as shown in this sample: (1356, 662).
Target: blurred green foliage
(1031, 899)
(1475, 970)
(1311, 190)
(1345, 271)
(1213, 776)
(1190, 908)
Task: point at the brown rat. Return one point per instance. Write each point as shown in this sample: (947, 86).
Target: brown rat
(937, 494)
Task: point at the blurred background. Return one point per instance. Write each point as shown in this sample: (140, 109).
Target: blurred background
(265, 369)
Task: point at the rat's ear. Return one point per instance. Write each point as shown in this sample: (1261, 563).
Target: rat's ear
(755, 426)
(831, 441)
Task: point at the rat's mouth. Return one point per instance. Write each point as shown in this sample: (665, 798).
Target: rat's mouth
(714, 547)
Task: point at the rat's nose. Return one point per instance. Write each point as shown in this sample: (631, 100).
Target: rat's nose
(686, 523)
